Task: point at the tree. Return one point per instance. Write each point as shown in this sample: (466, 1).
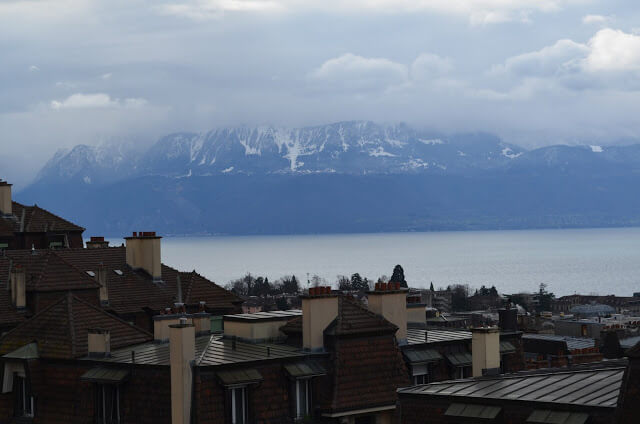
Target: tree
(459, 297)
(289, 284)
(357, 283)
(344, 283)
(282, 304)
(544, 298)
(383, 279)
(398, 276)
(431, 287)
(317, 281)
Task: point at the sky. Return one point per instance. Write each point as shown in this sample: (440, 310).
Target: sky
(535, 72)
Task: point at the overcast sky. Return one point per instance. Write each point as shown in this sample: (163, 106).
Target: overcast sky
(534, 72)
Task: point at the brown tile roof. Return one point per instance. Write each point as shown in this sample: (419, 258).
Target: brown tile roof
(354, 318)
(130, 292)
(61, 330)
(7, 226)
(34, 219)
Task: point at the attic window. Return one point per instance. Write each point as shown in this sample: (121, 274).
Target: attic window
(118, 272)
(91, 273)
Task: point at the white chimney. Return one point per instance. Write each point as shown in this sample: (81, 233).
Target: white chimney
(182, 345)
(202, 320)
(143, 252)
(18, 287)
(6, 205)
(99, 341)
(390, 301)
(485, 350)
(319, 309)
(161, 323)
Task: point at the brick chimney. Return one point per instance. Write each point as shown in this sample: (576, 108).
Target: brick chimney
(143, 252)
(319, 309)
(6, 205)
(99, 342)
(101, 279)
(97, 243)
(390, 301)
(182, 345)
(485, 350)
(508, 319)
(18, 287)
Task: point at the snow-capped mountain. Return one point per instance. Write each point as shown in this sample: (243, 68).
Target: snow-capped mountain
(346, 148)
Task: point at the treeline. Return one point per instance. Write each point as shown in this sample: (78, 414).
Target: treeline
(251, 285)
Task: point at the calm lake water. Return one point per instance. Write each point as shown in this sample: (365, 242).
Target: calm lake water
(603, 261)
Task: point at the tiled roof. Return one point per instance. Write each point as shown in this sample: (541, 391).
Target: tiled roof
(211, 350)
(34, 219)
(8, 313)
(353, 318)
(591, 387)
(196, 288)
(61, 330)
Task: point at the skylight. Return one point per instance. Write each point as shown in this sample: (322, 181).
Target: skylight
(117, 271)
(91, 273)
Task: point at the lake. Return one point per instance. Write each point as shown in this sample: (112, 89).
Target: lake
(603, 261)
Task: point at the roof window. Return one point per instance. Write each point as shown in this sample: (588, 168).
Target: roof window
(91, 273)
(118, 272)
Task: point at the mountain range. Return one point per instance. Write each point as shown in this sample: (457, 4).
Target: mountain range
(342, 177)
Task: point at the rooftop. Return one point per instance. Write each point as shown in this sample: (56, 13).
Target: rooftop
(572, 342)
(265, 316)
(416, 335)
(211, 350)
(590, 387)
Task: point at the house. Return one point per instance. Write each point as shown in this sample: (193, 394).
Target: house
(128, 281)
(26, 227)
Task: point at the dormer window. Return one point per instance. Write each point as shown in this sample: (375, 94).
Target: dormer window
(118, 272)
(91, 274)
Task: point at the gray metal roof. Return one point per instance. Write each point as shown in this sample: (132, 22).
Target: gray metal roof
(416, 335)
(629, 342)
(594, 309)
(305, 369)
(572, 342)
(211, 350)
(29, 351)
(546, 416)
(460, 359)
(595, 387)
(105, 375)
(418, 356)
(265, 316)
(470, 410)
(507, 347)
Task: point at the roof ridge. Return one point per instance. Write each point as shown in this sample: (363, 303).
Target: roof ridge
(71, 327)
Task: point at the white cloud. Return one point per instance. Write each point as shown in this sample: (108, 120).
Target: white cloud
(613, 50)
(106, 76)
(609, 60)
(476, 11)
(357, 73)
(95, 100)
(33, 68)
(596, 19)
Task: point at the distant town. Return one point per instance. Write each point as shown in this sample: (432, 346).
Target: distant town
(97, 333)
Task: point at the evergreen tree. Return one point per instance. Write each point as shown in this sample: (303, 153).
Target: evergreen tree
(398, 276)
(357, 283)
(344, 283)
(281, 304)
(431, 287)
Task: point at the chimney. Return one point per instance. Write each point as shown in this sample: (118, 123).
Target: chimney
(485, 350)
(202, 321)
(97, 243)
(390, 301)
(18, 287)
(610, 348)
(143, 252)
(319, 309)
(416, 313)
(508, 319)
(182, 346)
(6, 205)
(99, 341)
(101, 279)
(161, 323)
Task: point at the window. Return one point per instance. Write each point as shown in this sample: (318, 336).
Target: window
(118, 272)
(91, 273)
(420, 373)
(24, 400)
(239, 405)
(107, 404)
(303, 398)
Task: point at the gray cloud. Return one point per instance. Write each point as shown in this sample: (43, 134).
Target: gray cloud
(82, 71)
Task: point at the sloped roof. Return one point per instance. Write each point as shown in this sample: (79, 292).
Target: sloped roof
(196, 288)
(353, 318)
(61, 330)
(34, 219)
(591, 387)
